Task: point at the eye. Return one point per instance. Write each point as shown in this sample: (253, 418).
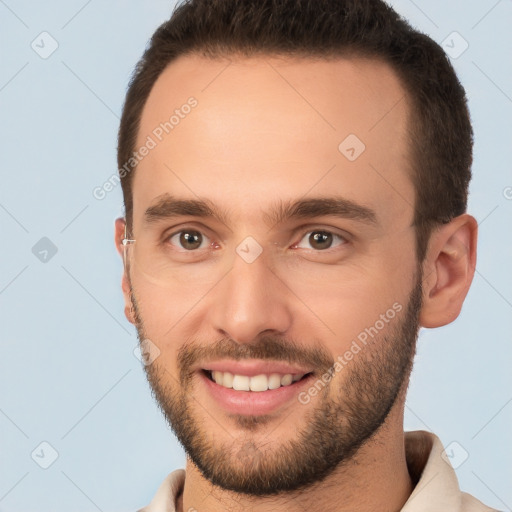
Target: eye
(321, 239)
(189, 239)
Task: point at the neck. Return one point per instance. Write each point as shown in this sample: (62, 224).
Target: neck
(376, 478)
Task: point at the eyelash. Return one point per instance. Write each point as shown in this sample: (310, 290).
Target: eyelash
(344, 239)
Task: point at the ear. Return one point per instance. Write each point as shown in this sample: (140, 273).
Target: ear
(125, 282)
(448, 270)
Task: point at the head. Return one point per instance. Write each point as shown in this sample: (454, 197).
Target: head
(306, 206)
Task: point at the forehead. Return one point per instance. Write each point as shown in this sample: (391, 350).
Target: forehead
(249, 131)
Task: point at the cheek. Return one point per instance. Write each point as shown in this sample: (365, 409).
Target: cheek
(160, 316)
(353, 299)
(161, 310)
(343, 314)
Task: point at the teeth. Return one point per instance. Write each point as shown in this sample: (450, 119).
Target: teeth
(227, 379)
(257, 383)
(287, 379)
(241, 383)
(218, 378)
(274, 381)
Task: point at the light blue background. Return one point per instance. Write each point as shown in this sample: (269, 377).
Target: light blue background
(68, 375)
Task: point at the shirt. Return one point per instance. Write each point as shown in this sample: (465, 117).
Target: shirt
(436, 486)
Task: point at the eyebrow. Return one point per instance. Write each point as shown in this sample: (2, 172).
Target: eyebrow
(168, 206)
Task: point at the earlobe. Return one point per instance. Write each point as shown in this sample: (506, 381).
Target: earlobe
(448, 271)
(119, 234)
(128, 302)
(128, 310)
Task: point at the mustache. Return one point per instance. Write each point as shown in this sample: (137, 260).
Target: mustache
(266, 348)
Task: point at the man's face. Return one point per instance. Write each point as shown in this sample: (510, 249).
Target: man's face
(304, 291)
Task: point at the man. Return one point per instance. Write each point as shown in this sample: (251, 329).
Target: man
(295, 179)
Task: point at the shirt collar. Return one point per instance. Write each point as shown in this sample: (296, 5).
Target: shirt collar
(437, 487)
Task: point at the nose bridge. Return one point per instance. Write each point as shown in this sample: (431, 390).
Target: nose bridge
(251, 298)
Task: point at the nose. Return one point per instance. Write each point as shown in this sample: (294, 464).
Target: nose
(250, 300)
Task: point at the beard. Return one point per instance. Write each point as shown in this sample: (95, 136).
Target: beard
(340, 420)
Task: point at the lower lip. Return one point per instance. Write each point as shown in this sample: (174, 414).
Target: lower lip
(253, 402)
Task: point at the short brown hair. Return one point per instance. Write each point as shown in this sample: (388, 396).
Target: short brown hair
(441, 136)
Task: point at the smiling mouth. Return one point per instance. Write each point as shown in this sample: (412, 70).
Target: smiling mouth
(257, 383)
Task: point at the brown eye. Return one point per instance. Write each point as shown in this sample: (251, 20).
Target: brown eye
(321, 240)
(188, 239)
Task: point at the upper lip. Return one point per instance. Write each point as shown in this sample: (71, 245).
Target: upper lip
(254, 367)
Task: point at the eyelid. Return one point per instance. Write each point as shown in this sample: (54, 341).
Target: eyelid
(322, 227)
(178, 228)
